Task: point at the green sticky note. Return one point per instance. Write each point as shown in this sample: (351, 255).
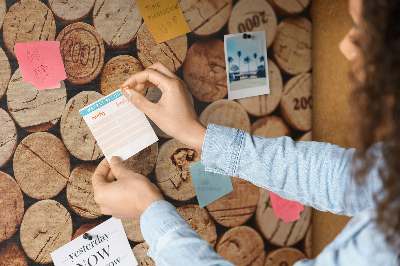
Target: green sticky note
(209, 186)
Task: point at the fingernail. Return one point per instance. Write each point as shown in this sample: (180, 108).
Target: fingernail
(115, 160)
(125, 88)
(128, 93)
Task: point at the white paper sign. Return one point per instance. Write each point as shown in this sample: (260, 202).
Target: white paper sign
(108, 247)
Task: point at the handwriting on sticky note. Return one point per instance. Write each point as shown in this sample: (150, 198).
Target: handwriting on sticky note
(41, 64)
(209, 186)
(284, 209)
(164, 19)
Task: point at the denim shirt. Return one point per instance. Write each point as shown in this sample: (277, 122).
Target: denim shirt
(312, 173)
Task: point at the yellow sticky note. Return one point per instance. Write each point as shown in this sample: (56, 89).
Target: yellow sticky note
(164, 18)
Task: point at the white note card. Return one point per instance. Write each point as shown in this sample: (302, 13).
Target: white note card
(118, 126)
(108, 247)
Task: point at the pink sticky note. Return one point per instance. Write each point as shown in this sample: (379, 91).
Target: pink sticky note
(41, 64)
(286, 210)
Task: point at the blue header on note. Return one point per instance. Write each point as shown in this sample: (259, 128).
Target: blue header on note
(100, 103)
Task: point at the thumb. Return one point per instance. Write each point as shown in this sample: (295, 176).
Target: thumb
(139, 101)
(116, 167)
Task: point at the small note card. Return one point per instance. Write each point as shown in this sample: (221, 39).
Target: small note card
(164, 18)
(209, 186)
(41, 64)
(108, 246)
(118, 126)
(284, 209)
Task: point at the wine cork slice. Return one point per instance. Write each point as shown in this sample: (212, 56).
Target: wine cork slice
(11, 254)
(306, 137)
(84, 228)
(205, 18)
(117, 21)
(140, 252)
(270, 127)
(82, 50)
(34, 110)
(3, 11)
(226, 113)
(5, 71)
(116, 71)
(71, 10)
(307, 243)
(144, 161)
(242, 245)
(8, 137)
(275, 230)
(80, 195)
(204, 70)
(253, 15)
(200, 221)
(284, 256)
(292, 47)
(289, 7)
(172, 170)
(47, 226)
(296, 104)
(171, 53)
(41, 165)
(75, 133)
(263, 105)
(28, 21)
(132, 229)
(238, 206)
(11, 206)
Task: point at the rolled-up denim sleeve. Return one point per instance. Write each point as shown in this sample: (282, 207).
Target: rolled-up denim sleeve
(313, 173)
(172, 240)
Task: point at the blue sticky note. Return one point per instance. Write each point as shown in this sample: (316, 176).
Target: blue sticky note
(209, 186)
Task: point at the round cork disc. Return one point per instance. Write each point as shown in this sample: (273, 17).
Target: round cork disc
(172, 170)
(205, 18)
(47, 226)
(253, 15)
(82, 50)
(293, 46)
(8, 137)
(5, 71)
(143, 162)
(34, 110)
(116, 71)
(270, 127)
(289, 7)
(117, 21)
(132, 230)
(284, 256)
(238, 206)
(275, 230)
(3, 11)
(226, 113)
(80, 195)
(71, 10)
(86, 227)
(12, 254)
(306, 137)
(140, 252)
(263, 105)
(11, 206)
(242, 245)
(75, 133)
(41, 165)
(204, 70)
(28, 21)
(200, 221)
(307, 243)
(296, 104)
(171, 53)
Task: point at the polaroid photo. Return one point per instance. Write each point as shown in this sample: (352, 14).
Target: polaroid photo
(246, 61)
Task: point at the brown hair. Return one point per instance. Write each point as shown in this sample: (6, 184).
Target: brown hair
(376, 108)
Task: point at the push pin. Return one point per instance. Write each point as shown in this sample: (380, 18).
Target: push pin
(88, 236)
(246, 36)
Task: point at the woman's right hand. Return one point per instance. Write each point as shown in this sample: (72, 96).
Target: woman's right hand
(174, 113)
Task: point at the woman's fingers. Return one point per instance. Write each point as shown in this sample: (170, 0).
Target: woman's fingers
(100, 174)
(153, 76)
(163, 69)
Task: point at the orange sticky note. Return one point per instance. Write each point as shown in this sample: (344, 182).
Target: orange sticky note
(164, 18)
(284, 209)
(41, 64)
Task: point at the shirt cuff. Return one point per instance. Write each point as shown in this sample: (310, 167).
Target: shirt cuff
(158, 219)
(221, 151)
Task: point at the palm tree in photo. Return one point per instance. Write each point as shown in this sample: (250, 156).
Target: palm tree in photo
(262, 59)
(239, 55)
(255, 58)
(230, 60)
(247, 60)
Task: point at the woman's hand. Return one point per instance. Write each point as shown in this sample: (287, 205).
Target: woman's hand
(128, 196)
(174, 113)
